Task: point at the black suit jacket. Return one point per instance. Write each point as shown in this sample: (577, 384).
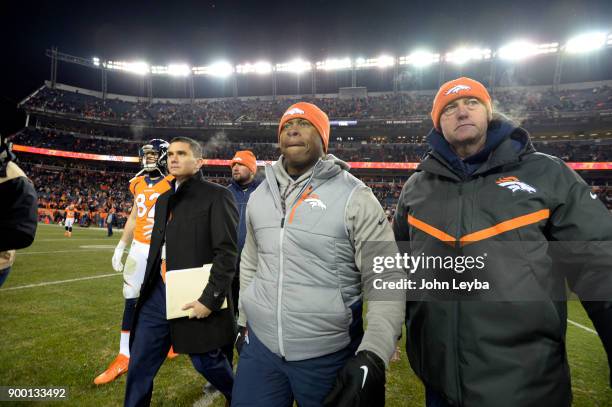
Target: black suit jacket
(199, 224)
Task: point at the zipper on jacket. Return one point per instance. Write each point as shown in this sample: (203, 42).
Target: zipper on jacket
(459, 209)
(458, 303)
(279, 292)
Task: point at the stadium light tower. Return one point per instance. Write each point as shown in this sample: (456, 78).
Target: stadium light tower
(175, 70)
(139, 68)
(259, 67)
(181, 70)
(516, 51)
(420, 59)
(520, 50)
(297, 66)
(461, 56)
(383, 61)
(586, 42)
(334, 64)
(219, 69)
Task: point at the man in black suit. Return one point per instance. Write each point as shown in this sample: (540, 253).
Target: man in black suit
(195, 224)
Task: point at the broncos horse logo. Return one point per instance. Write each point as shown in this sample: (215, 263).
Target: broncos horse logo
(295, 110)
(315, 202)
(514, 184)
(457, 89)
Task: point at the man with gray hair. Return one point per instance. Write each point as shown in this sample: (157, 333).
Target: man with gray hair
(482, 184)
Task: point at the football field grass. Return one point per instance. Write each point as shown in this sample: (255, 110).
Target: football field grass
(61, 310)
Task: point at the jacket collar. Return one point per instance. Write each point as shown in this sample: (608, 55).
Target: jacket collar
(324, 169)
(250, 186)
(505, 143)
(187, 184)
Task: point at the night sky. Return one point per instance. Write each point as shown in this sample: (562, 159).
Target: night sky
(201, 32)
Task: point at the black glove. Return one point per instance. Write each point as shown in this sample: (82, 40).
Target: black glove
(361, 382)
(241, 338)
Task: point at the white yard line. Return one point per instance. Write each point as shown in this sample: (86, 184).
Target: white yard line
(64, 251)
(90, 228)
(70, 239)
(206, 400)
(59, 282)
(586, 328)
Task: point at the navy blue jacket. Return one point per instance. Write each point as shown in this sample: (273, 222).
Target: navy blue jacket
(241, 195)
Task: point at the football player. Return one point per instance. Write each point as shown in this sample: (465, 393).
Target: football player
(69, 221)
(145, 188)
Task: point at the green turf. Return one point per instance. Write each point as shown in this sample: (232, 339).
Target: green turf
(66, 334)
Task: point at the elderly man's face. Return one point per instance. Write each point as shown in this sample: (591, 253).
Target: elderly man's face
(464, 122)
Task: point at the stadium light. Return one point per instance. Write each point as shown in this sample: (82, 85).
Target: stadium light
(178, 70)
(159, 70)
(219, 69)
(519, 50)
(334, 64)
(297, 66)
(260, 67)
(383, 61)
(139, 68)
(586, 42)
(420, 59)
(462, 55)
(96, 61)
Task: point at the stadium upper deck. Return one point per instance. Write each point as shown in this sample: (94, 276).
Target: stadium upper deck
(577, 106)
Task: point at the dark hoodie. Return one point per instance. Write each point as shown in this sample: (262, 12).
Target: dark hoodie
(498, 130)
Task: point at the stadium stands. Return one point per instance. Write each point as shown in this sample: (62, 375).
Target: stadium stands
(521, 103)
(568, 150)
(76, 120)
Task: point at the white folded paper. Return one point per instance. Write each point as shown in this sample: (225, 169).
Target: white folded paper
(183, 287)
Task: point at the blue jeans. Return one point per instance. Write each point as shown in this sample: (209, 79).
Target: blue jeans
(264, 379)
(4, 274)
(434, 399)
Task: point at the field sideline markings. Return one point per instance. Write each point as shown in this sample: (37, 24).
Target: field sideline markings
(119, 274)
(206, 400)
(65, 251)
(90, 228)
(59, 282)
(586, 328)
(67, 240)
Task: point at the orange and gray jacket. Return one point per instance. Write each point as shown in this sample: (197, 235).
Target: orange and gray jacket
(505, 353)
(300, 269)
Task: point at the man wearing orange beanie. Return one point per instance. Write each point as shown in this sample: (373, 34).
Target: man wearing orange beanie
(244, 169)
(482, 182)
(301, 296)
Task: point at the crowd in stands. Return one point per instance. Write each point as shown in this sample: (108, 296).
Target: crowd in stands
(92, 192)
(95, 191)
(96, 187)
(574, 151)
(517, 102)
